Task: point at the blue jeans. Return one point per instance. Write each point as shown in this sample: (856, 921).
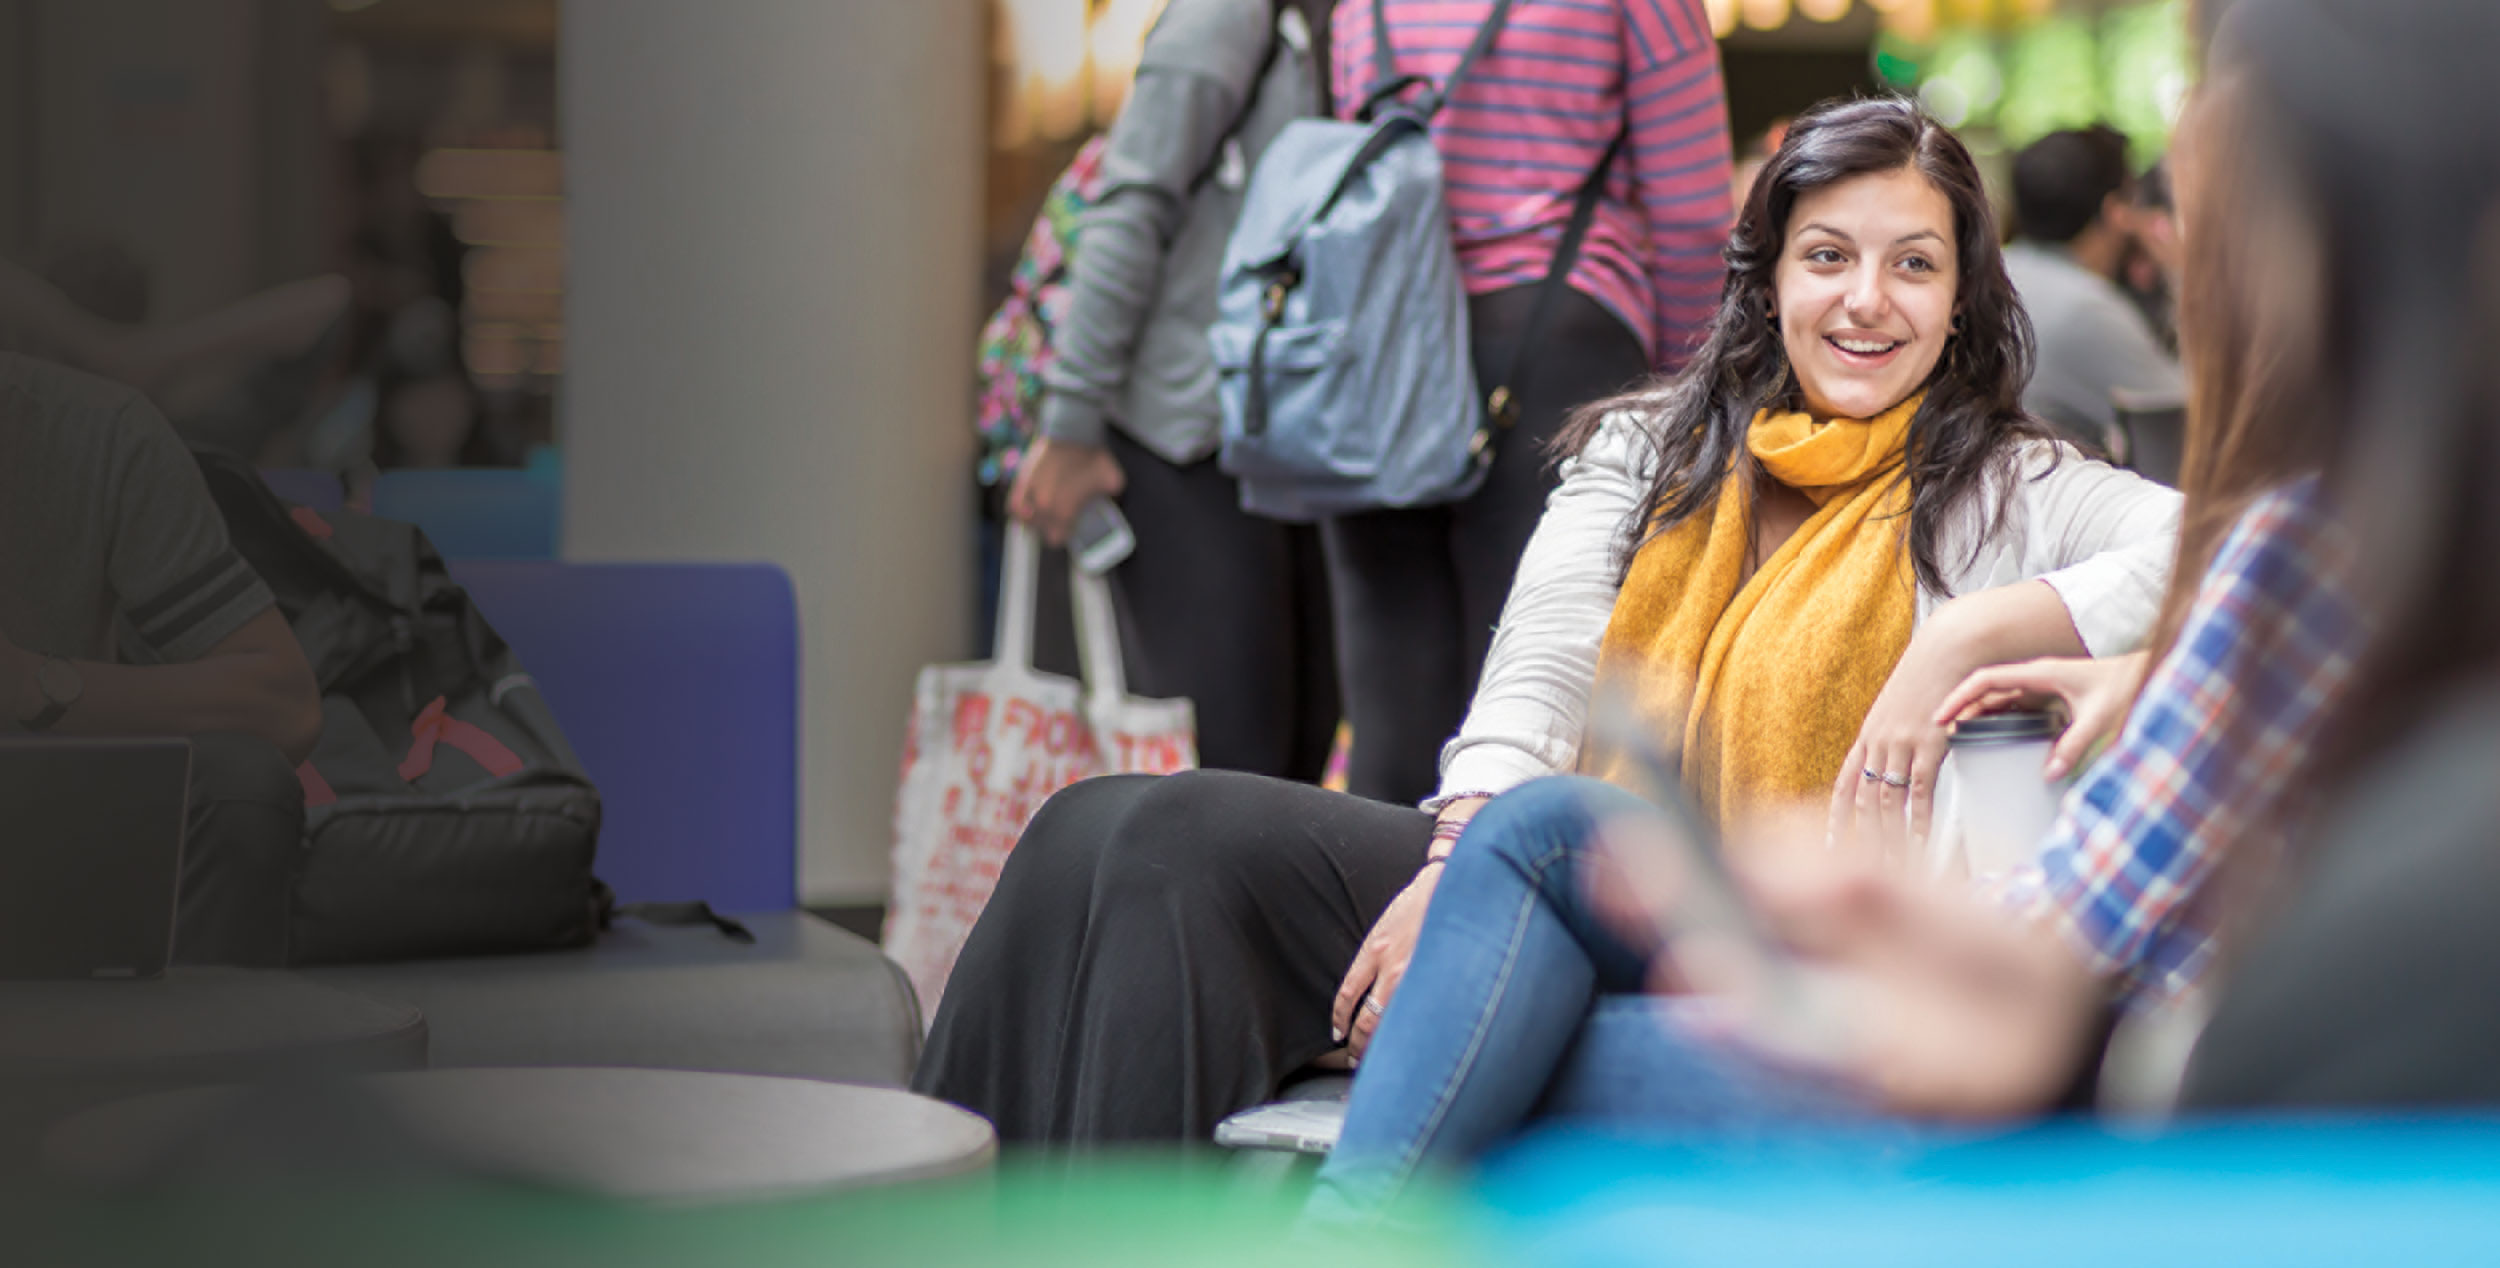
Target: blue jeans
(1520, 1003)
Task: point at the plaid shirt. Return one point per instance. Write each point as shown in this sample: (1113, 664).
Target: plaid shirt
(2207, 750)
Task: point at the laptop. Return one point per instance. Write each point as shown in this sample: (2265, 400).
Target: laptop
(90, 854)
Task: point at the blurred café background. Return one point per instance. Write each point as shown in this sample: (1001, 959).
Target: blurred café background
(715, 269)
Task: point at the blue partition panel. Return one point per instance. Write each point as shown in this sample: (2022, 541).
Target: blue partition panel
(476, 512)
(305, 486)
(679, 686)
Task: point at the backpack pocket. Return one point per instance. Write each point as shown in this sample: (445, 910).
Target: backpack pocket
(1291, 403)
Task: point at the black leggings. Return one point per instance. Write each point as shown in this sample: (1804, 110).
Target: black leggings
(1224, 608)
(1417, 591)
(1230, 610)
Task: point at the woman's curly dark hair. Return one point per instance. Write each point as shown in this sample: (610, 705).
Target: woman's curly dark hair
(1961, 437)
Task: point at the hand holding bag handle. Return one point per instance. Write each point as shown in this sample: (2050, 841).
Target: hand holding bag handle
(1097, 622)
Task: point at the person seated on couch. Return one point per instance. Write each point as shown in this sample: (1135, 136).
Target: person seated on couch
(125, 610)
(1837, 511)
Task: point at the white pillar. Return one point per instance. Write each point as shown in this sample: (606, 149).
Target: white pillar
(774, 252)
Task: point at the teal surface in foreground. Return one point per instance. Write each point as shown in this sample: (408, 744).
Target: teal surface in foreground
(2273, 1192)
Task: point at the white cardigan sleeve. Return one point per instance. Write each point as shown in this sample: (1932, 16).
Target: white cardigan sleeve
(1532, 702)
(2103, 538)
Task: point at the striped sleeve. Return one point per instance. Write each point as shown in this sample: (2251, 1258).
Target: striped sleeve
(1343, 83)
(1563, 81)
(1682, 164)
(181, 586)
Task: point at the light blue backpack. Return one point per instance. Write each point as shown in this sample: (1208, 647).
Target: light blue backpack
(1340, 338)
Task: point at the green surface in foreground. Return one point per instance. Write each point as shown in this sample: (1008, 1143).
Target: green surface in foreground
(1136, 1211)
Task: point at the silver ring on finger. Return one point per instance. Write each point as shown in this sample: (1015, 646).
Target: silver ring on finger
(1896, 781)
(1869, 774)
(1371, 1004)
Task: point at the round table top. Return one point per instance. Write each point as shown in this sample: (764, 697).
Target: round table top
(665, 1135)
(202, 1025)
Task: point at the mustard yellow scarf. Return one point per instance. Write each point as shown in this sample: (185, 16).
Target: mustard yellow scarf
(1768, 682)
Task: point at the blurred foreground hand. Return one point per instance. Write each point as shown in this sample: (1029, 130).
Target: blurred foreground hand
(1933, 1000)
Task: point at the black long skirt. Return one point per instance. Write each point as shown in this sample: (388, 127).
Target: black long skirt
(1161, 952)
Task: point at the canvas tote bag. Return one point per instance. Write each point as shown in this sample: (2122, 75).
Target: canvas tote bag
(989, 742)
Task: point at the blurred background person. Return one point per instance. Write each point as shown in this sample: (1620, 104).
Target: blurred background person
(126, 610)
(1224, 607)
(2149, 271)
(229, 378)
(1756, 157)
(1418, 591)
(2074, 218)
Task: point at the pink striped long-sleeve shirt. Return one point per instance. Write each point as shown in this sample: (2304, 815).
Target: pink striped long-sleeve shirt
(1536, 115)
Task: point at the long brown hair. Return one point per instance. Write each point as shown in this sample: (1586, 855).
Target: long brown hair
(2377, 111)
(1697, 420)
(2341, 318)
(2250, 308)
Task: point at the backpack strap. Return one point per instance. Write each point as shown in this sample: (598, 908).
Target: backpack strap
(1501, 405)
(1384, 62)
(435, 725)
(1249, 100)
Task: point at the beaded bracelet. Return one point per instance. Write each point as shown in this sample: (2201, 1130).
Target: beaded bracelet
(1442, 801)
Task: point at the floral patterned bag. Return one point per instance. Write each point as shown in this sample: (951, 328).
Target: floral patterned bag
(1016, 341)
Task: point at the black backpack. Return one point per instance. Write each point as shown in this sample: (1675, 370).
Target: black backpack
(445, 813)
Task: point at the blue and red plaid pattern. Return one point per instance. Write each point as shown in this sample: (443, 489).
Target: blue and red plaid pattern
(2206, 755)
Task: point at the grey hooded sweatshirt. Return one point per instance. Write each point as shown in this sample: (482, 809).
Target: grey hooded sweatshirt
(1208, 98)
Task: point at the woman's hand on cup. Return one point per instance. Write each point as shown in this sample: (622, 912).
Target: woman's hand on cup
(2096, 693)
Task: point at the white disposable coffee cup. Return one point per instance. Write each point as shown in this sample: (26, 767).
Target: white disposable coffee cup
(1993, 806)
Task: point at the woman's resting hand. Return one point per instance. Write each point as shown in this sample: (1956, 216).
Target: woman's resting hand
(2096, 693)
(1381, 962)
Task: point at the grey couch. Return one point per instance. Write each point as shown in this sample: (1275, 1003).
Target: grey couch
(806, 999)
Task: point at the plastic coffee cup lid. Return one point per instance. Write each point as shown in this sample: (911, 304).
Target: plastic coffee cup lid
(2004, 728)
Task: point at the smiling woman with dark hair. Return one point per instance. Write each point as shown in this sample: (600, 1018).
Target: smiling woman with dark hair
(1789, 553)
(1837, 513)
